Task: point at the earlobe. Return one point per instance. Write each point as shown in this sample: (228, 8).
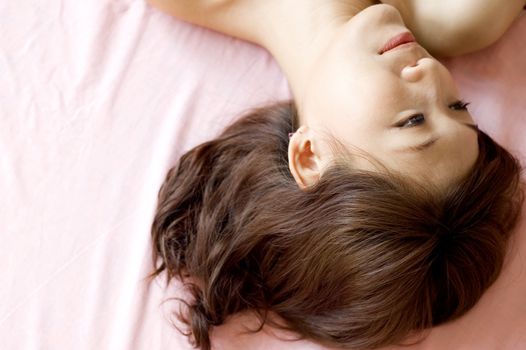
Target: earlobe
(304, 158)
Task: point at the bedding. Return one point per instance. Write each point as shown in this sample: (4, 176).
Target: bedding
(98, 99)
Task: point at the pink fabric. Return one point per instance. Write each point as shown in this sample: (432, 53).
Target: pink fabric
(97, 101)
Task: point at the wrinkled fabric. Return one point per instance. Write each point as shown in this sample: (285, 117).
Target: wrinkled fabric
(98, 99)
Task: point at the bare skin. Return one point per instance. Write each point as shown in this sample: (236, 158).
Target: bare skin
(387, 106)
(463, 25)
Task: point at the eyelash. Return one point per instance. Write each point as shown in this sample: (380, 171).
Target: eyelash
(460, 106)
(418, 119)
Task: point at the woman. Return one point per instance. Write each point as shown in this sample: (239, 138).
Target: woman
(386, 211)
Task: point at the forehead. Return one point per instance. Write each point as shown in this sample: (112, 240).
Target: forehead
(444, 163)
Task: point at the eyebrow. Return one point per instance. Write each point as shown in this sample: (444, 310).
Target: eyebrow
(426, 144)
(472, 126)
(422, 146)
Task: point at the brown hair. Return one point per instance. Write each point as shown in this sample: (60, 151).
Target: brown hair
(359, 260)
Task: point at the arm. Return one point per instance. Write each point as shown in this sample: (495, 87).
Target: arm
(444, 27)
(455, 27)
(238, 18)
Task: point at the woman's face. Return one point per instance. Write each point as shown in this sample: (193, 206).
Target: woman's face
(401, 106)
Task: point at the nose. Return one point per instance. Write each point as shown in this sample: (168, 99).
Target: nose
(423, 68)
(385, 13)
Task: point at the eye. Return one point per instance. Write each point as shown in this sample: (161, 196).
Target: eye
(459, 106)
(414, 120)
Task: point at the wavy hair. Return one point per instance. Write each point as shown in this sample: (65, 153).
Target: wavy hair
(361, 259)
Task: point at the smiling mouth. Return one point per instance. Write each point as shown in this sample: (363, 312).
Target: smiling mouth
(397, 41)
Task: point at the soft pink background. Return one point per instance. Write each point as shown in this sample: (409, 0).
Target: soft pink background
(97, 101)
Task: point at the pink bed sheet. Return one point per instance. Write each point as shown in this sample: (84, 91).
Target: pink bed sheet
(97, 101)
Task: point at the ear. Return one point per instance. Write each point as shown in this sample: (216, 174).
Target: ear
(306, 158)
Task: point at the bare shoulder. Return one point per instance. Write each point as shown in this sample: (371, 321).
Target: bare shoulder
(453, 27)
(239, 18)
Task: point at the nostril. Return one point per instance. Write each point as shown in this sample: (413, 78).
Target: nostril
(411, 73)
(418, 61)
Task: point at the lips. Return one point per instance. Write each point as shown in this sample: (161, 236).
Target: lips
(398, 40)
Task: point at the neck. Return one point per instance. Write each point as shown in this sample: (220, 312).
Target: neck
(299, 31)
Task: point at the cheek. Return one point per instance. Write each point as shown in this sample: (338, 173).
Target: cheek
(351, 96)
(375, 100)
(363, 108)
